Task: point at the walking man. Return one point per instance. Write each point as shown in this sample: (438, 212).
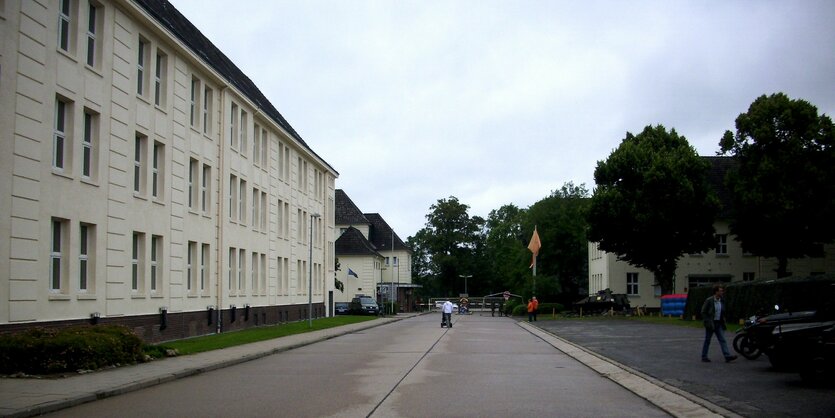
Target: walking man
(446, 314)
(713, 316)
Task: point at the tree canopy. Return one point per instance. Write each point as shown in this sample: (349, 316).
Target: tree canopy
(784, 184)
(653, 203)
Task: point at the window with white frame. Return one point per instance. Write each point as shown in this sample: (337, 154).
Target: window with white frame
(139, 165)
(232, 264)
(242, 128)
(89, 145)
(256, 145)
(233, 197)
(156, 263)
(57, 260)
(158, 171)
(194, 101)
(233, 127)
(207, 110)
(256, 206)
(94, 22)
(265, 149)
(241, 270)
(280, 219)
(242, 202)
(191, 255)
(263, 211)
(193, 165)
(66, 25)
(160, 78)
(631, 283)
(204, 266)
(143, 54)
(137, 263)
(263, 270)
(62, 139)
(206, 188)
(721, 244)
(86, 258)
(253, 272)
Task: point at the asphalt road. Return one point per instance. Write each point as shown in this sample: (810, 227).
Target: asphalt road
(482, 367)
(672, 353)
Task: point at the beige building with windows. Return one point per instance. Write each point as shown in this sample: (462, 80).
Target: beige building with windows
(373, 260)
(725, 263)
(147, 181)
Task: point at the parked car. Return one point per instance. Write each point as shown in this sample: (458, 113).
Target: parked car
(364, 305)
(341, 308)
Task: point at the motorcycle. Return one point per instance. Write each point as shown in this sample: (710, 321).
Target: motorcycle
(756, 335)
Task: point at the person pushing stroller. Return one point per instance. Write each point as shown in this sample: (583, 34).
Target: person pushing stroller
(446, 314)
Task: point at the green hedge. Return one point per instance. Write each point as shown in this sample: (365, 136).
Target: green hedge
(759, 297)
(44, 351)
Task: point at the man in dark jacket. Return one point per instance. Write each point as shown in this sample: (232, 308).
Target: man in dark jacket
(713, 316)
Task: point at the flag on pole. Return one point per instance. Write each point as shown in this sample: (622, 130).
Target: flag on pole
(534, 246)
(352, 273)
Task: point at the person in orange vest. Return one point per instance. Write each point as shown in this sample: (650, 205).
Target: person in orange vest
(530, 310)
(535, 307)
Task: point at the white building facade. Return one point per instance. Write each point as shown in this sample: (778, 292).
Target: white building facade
(146, 181)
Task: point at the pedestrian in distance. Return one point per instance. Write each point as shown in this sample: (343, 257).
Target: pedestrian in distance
(713, 317)
(530, 310)
(535, 307)
(446, 314)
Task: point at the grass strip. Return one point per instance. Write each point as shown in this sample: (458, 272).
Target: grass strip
(251, 335)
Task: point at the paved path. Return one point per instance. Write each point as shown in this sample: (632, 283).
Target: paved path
(482, 367)
(412, 367)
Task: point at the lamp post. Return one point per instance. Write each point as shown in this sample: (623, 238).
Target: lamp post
(310, 273)
(465, 277)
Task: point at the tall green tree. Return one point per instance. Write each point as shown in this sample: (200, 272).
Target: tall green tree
(562, 265)
(784, 183)
(451, 240)
(653, 203)
(506, 254)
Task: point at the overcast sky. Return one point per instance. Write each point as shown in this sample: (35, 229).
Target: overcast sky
(498, 102)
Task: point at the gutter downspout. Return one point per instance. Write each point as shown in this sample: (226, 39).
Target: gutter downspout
(220, 200)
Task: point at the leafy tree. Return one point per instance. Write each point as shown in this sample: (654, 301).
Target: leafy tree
(562, 266)
(506, 252)
(448, 244)
(784, 183)
(653, 203)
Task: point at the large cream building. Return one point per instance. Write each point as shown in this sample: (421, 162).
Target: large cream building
(145, 180)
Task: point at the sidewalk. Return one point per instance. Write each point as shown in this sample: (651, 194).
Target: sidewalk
(24, 397)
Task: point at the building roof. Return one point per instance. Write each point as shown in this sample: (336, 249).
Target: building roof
(353, 242)
(170, 18)
(719, 167)
(346, 212)
(381, 234)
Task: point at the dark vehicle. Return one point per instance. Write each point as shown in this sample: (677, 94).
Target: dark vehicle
(603, 301)
(341, 308)
(364, 305)
(756, 336)
(806, 347)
